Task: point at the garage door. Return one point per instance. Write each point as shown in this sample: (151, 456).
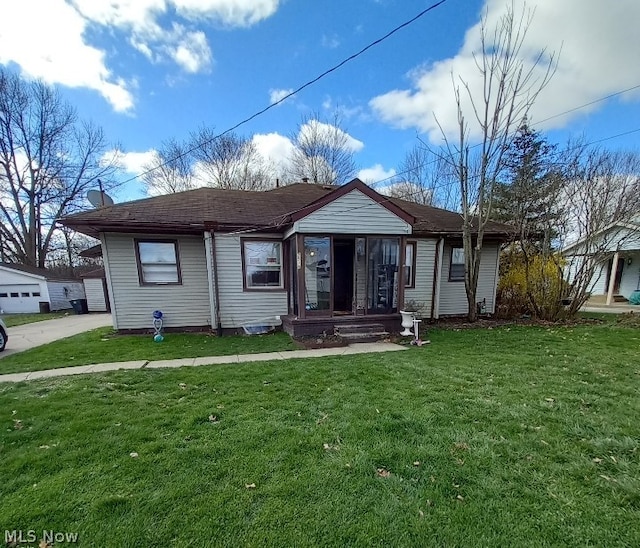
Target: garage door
(20, 298)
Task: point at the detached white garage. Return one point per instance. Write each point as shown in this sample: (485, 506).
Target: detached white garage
(23, 288)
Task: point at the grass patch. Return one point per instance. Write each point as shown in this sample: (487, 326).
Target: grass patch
(521, 436)
(103, 346)
(12, 320)
(628, 319)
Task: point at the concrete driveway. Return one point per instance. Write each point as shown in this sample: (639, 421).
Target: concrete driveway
(24, 337)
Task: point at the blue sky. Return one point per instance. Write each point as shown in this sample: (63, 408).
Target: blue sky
(150, 70)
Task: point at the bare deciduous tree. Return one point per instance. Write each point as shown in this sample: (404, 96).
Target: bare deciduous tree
(229, 161)
(48, 160)
(66, 246)
(170, 170)
(424, 178)
(510, 86)
(323, 151)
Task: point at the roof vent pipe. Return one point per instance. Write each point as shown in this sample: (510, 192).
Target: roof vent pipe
(305, 179)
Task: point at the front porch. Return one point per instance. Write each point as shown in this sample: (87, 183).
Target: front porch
(621, 279)
(347, 283)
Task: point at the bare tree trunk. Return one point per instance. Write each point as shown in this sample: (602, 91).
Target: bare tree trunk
(508, 92)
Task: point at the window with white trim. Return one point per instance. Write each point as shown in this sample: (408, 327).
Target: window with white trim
(262, 264)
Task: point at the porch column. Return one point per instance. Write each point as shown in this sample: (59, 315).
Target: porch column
(302, 313)
(612, 277)
(402, 266)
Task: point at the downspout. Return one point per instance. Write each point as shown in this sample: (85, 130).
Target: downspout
(437, 274)
(212, 274)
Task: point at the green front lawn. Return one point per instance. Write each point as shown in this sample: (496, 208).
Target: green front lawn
(21, 319)
(504, 437)
(103, 346)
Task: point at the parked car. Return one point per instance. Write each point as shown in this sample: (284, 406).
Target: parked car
(3, 335)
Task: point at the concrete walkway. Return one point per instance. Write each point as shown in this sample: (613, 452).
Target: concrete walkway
(611, 309)
(30, 335)
(357, 348)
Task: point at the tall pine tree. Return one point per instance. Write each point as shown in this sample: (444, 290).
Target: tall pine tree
(526, 196)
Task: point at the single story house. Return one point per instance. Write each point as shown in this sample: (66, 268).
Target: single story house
(23, 288)
(617, 252)
(317, 256)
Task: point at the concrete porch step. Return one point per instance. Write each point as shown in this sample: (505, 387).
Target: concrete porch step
(361, 332)
(602, 299)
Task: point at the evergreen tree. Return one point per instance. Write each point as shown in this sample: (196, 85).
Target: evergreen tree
(527, 195)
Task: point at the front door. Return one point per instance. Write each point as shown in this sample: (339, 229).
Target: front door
(343, 258)
(317, 275)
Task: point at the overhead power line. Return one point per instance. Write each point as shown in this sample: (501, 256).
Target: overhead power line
(558, 115)
(297, 90)
(249, 229)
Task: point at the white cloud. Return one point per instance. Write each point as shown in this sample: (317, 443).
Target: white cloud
(276, 149)
(316, 127)
(131, 162)
(233, 13)
(46, 40)
(276, 95)
(192, 52)
(375, 173)
(137, 14)
(51, 39)
(142, 15)
(330, 41)
(598, 48)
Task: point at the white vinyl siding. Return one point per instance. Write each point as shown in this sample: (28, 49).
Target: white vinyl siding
(61, 292)
(599, 280)
(96, 298)
(422, 293)
(453, 297)
(630, 275)
(238, 306)
(353, 213)
(185, 305)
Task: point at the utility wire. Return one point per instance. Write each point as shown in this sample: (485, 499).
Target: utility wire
(297, 90)
(249, 229)
(558, 115)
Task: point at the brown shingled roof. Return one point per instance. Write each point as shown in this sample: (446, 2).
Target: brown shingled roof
(194, 210)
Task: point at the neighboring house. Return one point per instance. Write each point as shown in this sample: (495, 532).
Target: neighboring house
(23, 288)
(318, 256)
(617, 252)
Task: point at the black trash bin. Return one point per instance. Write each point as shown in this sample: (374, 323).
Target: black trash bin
(80, 306)
(44, 307)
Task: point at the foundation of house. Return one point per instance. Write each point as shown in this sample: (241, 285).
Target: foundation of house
(380, 324)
